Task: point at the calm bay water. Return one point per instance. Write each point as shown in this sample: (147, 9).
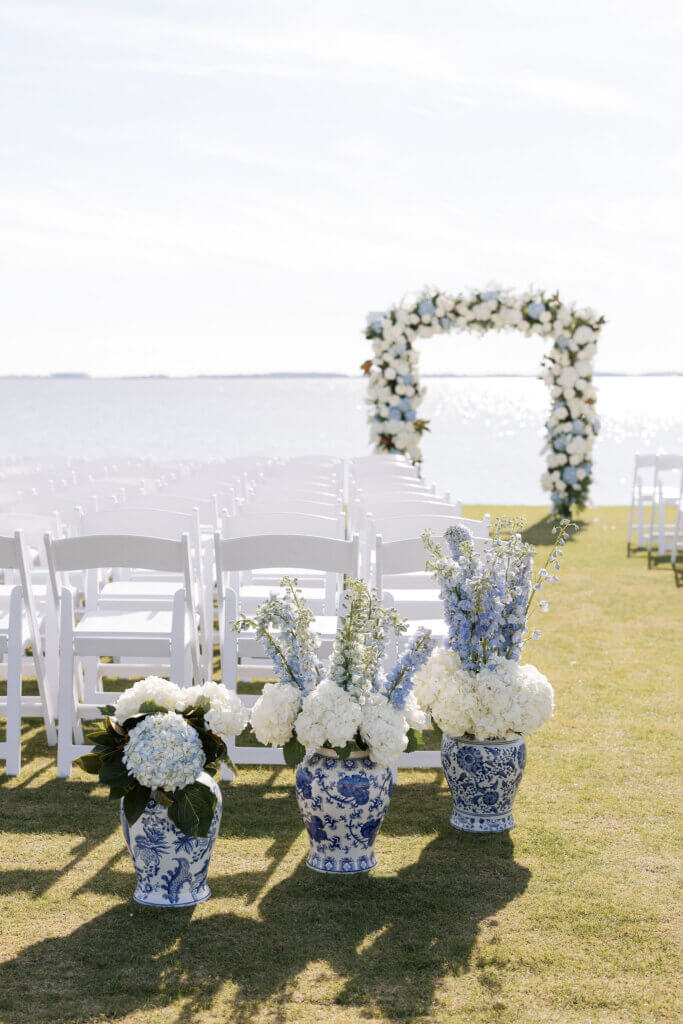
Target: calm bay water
(484, 445)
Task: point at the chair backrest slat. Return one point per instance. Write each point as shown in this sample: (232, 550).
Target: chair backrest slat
(288, 551)
(117, 551)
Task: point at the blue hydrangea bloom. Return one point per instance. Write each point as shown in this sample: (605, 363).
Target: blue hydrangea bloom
(570, 475)
(395, 413)
(562, 341)
(426, 308)
(487, 296)
(534, 310)
(577, 426)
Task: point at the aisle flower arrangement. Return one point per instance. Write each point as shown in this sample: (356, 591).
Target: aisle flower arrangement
(158, 750)
(395, 392)
(478, 693)
(355, 721)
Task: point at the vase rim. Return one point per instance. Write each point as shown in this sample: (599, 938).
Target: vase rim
(355, 755)
(480, 743)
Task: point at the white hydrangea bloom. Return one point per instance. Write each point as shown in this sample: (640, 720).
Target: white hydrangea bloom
(164, 752)
(274, 713)
(415, 717)
(329, 716)
(384, 729)
(227, 715)
(502, 701)
(153, 688)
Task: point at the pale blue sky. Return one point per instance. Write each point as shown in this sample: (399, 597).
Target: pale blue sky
(212, 187)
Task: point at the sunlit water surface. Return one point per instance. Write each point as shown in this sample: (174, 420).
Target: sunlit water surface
(484, 445)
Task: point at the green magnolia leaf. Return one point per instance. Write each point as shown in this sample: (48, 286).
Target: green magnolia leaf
(114, 772)
(107, 709)
(294, 752)
(90, 763)
(135, 801)
(437, 729)
(163, 798)
(211, 745)
(150, 707)
(193, 809)
(116, 792)
(414, 740)
(343, 752)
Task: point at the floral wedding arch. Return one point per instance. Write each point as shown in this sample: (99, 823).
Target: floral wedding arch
(395, 393)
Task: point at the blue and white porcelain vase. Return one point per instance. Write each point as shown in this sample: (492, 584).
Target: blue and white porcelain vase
(343, 803)
(171, 867)
(483, 777)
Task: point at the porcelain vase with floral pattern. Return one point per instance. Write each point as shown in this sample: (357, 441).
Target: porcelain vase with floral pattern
(171, 867)
(483, 777)
(343, 803)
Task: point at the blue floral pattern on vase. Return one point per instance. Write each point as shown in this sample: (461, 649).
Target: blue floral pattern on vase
(483, 777)
(171, 867)
(343, 803)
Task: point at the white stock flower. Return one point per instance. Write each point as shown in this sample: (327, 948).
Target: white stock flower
(274, 713)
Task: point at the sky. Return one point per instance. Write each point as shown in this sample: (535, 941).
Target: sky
(208, 186)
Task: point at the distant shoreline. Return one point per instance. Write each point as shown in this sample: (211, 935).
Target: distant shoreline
(311, 375)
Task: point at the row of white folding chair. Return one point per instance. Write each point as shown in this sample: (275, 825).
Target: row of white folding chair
(158, 637)
(653, 491)
(243, 657)
(19, 631)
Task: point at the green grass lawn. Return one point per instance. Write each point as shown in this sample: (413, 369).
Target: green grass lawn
(571, 917)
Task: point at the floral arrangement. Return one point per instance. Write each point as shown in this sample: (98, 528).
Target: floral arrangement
(475, 685)
(156, 741)
(395, 393)
(354, 706)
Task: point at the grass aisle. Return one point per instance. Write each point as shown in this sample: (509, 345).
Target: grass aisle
(572, 917)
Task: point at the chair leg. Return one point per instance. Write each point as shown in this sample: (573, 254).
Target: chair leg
(51, 670)
(15, 652)
(67, 687)
(178, 645)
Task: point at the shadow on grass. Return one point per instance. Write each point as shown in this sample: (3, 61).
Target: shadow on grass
(390, 941)
(540, 534)
(663, 564)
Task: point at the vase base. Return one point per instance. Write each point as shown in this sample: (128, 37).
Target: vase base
(154, 900)
(324, 866)
(479, 824)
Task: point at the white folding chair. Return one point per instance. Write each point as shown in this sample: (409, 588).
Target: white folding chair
(243, 656)
(677, 540)
(642, 494)
(142, 586)
(667, 490)
(19, 630)
(406, 527)
(163, 638)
